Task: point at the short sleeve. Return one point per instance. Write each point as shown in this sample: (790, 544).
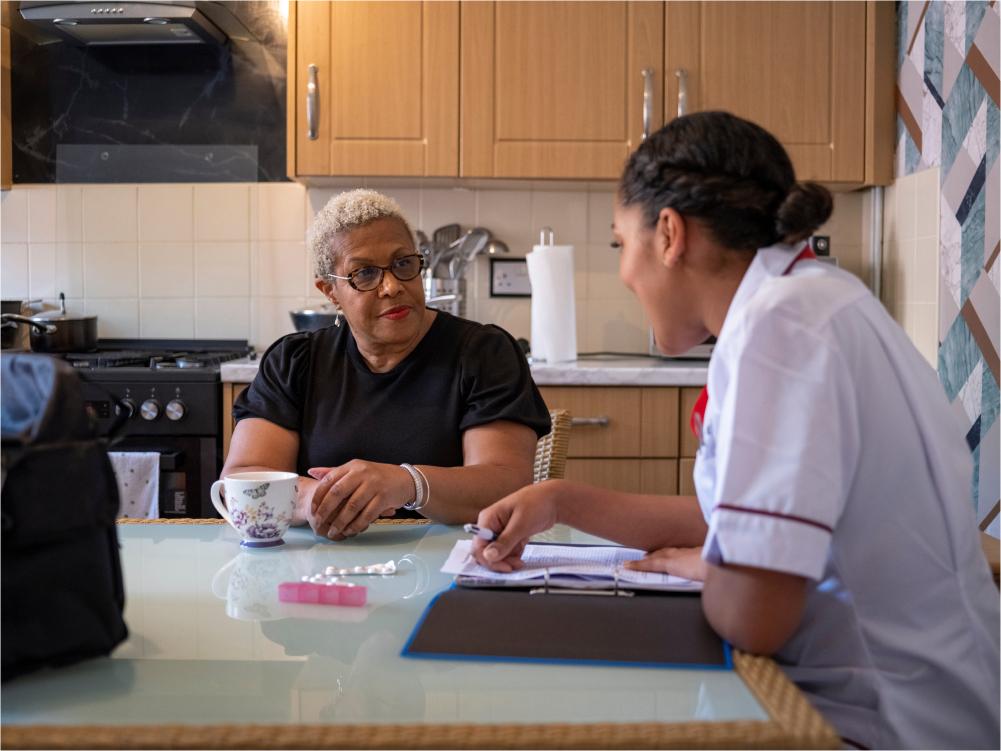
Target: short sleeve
(277, 392)
(786, 446)
(497, 383)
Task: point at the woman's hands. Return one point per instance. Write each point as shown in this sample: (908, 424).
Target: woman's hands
(516, 518)
(684, 562)
(350, 497)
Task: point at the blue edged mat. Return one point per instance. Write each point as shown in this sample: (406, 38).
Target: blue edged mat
(647, 630)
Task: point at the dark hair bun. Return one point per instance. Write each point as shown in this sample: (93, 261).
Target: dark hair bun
(806, 207)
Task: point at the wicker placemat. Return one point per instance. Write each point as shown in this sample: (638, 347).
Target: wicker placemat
(793, 724)
(223, 521)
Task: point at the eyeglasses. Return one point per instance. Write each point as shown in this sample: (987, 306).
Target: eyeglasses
(368, 278)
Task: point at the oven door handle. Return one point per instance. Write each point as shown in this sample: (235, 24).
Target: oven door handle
(170, 460)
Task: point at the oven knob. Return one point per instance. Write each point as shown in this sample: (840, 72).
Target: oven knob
(175, 410)
(150, 409)
(126, 405)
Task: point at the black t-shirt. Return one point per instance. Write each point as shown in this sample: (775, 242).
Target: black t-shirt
(460, 375)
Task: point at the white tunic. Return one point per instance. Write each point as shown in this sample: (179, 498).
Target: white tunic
(830, 451)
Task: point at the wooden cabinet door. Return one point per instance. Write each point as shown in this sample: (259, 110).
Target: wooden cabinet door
(795, 68)
(606, 421)
(555, 89)
(387, 85)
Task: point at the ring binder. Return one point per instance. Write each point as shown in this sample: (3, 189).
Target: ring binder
(613, 592)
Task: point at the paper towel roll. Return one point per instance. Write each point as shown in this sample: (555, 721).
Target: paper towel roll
(554, 314)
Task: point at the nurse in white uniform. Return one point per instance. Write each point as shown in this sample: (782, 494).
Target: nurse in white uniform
(833, 526)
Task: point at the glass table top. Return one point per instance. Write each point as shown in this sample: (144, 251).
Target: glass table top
(210, 644)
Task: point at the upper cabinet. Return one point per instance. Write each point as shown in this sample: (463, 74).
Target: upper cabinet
(567, 90)
(373, 88)
(557, 89)
(809, 72)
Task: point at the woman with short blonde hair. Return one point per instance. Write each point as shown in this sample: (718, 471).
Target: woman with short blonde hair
(403, 408)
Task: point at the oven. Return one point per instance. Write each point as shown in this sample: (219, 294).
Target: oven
(171, 393)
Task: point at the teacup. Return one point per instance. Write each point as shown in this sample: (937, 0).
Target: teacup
(258, 505)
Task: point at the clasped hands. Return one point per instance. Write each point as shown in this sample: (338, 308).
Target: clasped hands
(348, 498)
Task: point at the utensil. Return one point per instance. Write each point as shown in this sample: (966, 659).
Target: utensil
(497, 246)
(443, 239)
(469, 247)
(57, 331)
(312, 319)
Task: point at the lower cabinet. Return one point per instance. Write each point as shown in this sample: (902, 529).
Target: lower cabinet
(628, 438)
(229, 393)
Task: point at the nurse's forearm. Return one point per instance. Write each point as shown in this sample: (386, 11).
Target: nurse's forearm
(648, 522)
(458, 494)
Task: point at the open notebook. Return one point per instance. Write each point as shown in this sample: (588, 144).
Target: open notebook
(547, 565)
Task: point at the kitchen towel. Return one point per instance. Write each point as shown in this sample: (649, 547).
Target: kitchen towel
(554, 314)
(138, 475)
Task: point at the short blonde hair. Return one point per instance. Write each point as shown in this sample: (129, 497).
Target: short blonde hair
(343, 213)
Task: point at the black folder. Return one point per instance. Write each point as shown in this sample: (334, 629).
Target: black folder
(646, 630)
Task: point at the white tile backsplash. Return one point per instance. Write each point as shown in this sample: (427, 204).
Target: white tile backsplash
(14, 215)
(222, 269)
(111, 269)
(222, 318)
(165, 213)
(117, 318)
(229, 260)
(281, 269)
(166, 318)
(14, 270)
(42, 270)
(564, 211)
(167, 269)
(109, 213)
(222, 212)
(42, 213)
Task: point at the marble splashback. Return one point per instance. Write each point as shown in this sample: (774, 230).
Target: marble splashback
(152, 113)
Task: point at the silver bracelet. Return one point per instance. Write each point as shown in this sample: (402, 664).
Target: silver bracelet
(427, 490)
(418, 501)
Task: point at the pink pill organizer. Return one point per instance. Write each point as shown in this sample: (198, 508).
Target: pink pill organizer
(326, 593)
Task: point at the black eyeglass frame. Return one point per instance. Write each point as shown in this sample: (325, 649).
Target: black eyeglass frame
(383, 269)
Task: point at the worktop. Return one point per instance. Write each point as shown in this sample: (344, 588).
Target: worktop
(603, 371)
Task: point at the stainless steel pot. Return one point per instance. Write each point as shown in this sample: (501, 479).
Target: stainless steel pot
(56, 331)
(311, 319)
(9, 330)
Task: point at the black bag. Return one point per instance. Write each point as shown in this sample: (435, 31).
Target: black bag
(61, 581)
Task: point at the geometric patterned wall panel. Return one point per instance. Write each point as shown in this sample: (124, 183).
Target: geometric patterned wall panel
(947, 117)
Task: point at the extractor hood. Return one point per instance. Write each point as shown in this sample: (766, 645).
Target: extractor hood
(124, 23)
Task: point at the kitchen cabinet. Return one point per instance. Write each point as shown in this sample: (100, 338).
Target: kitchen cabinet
(566, 90)
(373, 88)
(229, 393)
(623, 438)
(6, 141)
(557, 89)
(819, 75)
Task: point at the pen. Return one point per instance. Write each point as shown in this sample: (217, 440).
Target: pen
(482, 532)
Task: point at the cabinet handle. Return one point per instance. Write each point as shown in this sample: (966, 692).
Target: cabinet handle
(579, 422)
(312, 96)
(682, 76)
(647, 101)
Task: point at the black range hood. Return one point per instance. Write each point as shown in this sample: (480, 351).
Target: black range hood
(130, 23)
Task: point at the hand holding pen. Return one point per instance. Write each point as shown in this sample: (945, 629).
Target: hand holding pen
(518, 516)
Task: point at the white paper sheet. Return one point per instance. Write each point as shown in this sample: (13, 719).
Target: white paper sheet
(569, 566)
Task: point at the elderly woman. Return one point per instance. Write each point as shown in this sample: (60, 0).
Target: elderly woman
(400, 407)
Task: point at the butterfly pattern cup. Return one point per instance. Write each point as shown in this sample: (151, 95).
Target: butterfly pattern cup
(258, 505)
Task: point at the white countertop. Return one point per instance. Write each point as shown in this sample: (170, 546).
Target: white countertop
(603, 371)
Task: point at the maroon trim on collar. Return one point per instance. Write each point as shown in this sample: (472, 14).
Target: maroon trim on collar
(776, 514)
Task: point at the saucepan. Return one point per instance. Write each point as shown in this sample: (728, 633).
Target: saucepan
(311, 319)
(57, 331)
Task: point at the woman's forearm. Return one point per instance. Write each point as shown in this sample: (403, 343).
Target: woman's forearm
(647, 522)
(458, 494)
